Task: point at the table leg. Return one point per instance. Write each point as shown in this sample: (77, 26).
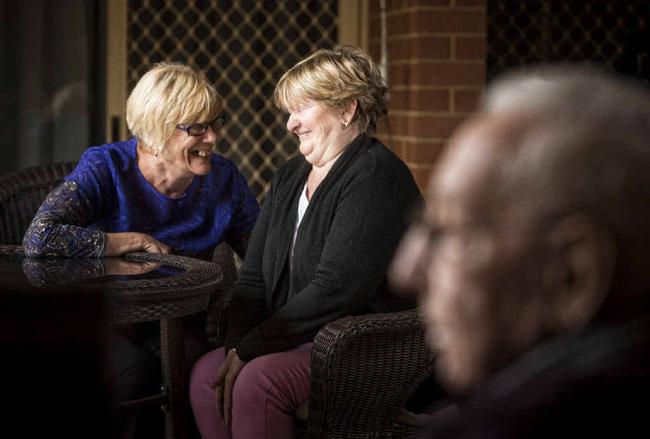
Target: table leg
(173, 371)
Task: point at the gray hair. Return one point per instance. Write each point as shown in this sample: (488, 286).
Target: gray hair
(585, 146)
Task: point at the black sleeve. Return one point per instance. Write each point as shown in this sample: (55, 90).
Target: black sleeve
(248, 306)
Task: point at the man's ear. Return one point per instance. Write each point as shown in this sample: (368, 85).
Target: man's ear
(578, 272)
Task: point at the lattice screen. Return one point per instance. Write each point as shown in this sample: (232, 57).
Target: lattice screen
(244, 47)
(522, 32)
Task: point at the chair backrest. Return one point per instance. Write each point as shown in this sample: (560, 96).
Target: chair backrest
(21, 194)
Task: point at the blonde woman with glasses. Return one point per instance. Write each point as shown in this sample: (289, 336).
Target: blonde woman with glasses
(162, 191)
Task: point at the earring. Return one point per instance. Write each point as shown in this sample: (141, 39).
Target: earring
(345, 124)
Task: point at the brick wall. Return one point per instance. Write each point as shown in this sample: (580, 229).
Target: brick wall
(436, 70)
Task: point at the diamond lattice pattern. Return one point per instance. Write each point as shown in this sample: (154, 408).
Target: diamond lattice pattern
(244, 47)
(523, 32)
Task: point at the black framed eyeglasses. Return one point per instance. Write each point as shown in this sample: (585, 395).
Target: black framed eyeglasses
(199, 129)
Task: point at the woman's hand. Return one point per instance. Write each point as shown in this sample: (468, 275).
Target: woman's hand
(224, 381)
(125, 242)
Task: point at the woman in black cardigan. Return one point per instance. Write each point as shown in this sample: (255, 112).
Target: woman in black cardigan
(319, 250)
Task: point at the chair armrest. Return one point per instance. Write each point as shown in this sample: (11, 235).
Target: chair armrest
(363, 370)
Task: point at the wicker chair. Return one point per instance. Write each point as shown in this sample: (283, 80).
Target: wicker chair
(21, 194)
(364, 368)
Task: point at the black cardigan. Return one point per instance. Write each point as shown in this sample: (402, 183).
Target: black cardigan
(345, 242)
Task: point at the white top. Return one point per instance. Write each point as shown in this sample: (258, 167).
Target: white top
(302, 207)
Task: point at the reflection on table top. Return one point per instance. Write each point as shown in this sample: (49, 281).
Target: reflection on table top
(138, 286)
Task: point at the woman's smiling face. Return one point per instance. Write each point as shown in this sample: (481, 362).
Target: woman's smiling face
(191, 152)
(319, 129)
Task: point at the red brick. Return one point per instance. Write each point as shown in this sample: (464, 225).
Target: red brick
(387, 126)
(399, 49)
(398, 147)
(419, 47)
(374, 27)
(466, 101)
(420, 100)
(470, 48)
(392, 5)
(432, 47)
(424, 126)
(421, 176)
(428, 20)
(401, 23)
(437, 73)
(448, 21)
(382, 127)
(424, 153)
(382, 132)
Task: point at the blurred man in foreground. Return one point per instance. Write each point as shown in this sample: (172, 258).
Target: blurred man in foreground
(532, 258)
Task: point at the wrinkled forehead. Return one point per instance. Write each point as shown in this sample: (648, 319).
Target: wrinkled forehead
(465, 182)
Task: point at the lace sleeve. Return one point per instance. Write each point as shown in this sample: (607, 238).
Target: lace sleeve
(58, 227)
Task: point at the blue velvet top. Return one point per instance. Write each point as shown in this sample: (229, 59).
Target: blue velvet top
(106, 192)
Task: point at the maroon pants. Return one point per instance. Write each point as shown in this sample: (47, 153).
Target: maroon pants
(266, 395)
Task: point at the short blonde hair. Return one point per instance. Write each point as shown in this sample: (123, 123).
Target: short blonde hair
(167, 95)
(336, 77)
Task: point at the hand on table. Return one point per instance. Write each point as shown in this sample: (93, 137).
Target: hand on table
(125, 242)
(224, 382)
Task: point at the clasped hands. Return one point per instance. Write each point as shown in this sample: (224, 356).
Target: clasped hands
(224, 381)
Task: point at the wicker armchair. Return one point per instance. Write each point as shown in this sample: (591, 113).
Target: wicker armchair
(21, 194)
(364, 368)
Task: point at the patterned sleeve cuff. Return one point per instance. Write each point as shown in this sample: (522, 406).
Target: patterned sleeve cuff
(58, 227)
